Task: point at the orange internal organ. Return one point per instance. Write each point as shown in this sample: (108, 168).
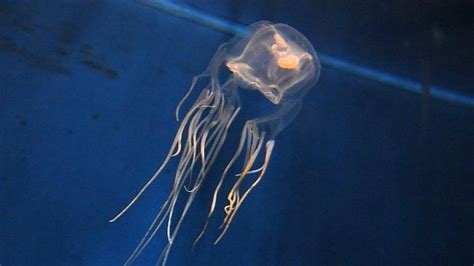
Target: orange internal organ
(288, 62)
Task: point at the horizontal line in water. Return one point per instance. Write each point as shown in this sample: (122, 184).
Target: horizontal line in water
(336, 63)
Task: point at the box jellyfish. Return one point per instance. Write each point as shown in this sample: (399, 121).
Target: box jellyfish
(273, 59)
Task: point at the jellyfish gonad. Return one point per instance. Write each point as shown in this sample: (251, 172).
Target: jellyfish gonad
(274, 59)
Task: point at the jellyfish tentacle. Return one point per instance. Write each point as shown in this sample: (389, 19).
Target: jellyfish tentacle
(215, 142)
(210, 138)
(204, 142)
(194, 134)
(206, 96)
(253, 142)
(271, 124)
(191, 133)
(190, 90)
(258, 170)
(276, 122)
(234, 195)
(205, 139)
(211, 71)
(195, 153)
(184, 167)
(168, 206)
(269, 149)
(176, 143)
(151, 232)
(220, 183)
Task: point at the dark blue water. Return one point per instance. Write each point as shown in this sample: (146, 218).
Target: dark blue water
(365, 175)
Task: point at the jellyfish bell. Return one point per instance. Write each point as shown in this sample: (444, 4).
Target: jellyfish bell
(274, 59)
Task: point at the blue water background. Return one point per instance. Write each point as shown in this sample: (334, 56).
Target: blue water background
(365, 175)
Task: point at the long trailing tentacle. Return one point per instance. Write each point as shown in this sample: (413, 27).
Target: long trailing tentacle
(255, 142)
(244, 135)
(185, 166)
(175, 146)
(234, 206)
(190, 90)
(205, 128)
(204, 101)
(198, 141)
(214, 143)
(252, 140)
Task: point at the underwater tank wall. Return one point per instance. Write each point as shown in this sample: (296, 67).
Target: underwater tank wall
(368, 173)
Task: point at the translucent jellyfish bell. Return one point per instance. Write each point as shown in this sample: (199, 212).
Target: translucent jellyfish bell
(274, 59)
(277, 60)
